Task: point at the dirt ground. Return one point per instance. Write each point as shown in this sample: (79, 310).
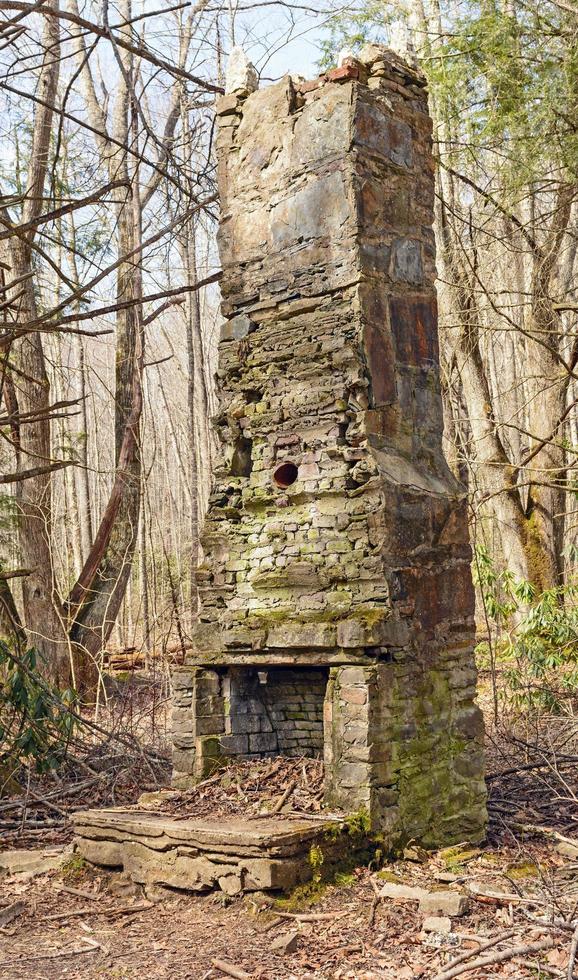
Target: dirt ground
(78, 923)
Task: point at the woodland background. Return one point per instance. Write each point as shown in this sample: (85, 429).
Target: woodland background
(109, 308)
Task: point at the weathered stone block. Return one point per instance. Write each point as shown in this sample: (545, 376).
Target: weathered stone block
(105, 852)
(406, 260)
(444, 903)
(234, 744)
(263, 742)
(378, 133)
(317, 635)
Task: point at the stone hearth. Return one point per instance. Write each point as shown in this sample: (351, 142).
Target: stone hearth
(198, 855)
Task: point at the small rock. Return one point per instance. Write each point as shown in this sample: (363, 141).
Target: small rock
(123, 887)
(448, 877)
(439, 940)
(370, 53)
(231, 884)
(157, 796)
(413, 852)
(567, 848)
(437, 923)
(11, 912)
(403, 893)
(495, 890)
(285, 942)
(444, 903)
(159, 893)
(261, 899)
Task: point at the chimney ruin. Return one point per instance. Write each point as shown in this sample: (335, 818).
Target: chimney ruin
(337, 608)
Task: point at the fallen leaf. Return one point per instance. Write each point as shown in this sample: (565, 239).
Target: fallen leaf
(558, 957)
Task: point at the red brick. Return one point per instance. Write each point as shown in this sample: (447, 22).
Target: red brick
(343, 74)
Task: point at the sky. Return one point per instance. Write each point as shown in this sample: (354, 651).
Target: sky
(280, 40)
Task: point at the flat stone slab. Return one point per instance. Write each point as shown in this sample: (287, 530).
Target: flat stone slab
(32, 862)
(197, 854)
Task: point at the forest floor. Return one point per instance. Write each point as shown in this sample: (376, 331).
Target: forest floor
(78, 922)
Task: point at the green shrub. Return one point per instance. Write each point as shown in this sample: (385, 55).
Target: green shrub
(534, 635)
(35, 725)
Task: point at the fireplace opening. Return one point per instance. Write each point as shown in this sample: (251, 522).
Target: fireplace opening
(274, 711)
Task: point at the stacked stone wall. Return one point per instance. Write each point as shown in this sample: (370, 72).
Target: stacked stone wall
(244, 712)
(328, 361)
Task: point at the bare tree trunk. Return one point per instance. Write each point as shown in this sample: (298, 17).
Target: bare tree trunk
(197, 400)
(143, 575)
(549, 381)
(42, 614)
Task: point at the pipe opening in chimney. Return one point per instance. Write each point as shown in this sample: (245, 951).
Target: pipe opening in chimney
(285, 475)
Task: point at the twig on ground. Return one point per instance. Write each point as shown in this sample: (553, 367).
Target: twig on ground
(500, 938)
(573, 952)
(377, 897)
(67, 915)
(283, 799)
(78, 892)
(497, 957)
(231, 970)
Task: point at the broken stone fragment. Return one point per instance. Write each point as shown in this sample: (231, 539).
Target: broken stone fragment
(122, 886)
(403, 893)
(156, 797)
(236, 328)
(370, 53)
(241, 77)
(105, 852)
(231, 884)
(32, 862)
(286, 942)
(226, 105)
(444, 903)
(568, 848)
(431, 903)
(441, 924)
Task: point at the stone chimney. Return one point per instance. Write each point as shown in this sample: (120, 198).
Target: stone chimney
(337, 611)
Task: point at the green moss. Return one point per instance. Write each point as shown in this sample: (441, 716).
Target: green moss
(458, 855)
(75, 867)
(386, 875)
(326, 874)
(540, 571)
(303, 897)
(524, 870)
(344, 879)
(358, 824)
(355, 825)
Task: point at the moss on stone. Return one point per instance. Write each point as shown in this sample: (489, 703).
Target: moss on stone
(523, 870)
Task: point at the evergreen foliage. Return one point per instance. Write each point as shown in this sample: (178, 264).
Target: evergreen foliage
(35, 725)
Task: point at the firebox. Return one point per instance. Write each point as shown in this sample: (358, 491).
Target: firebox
(268, 712)
(337, 608)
